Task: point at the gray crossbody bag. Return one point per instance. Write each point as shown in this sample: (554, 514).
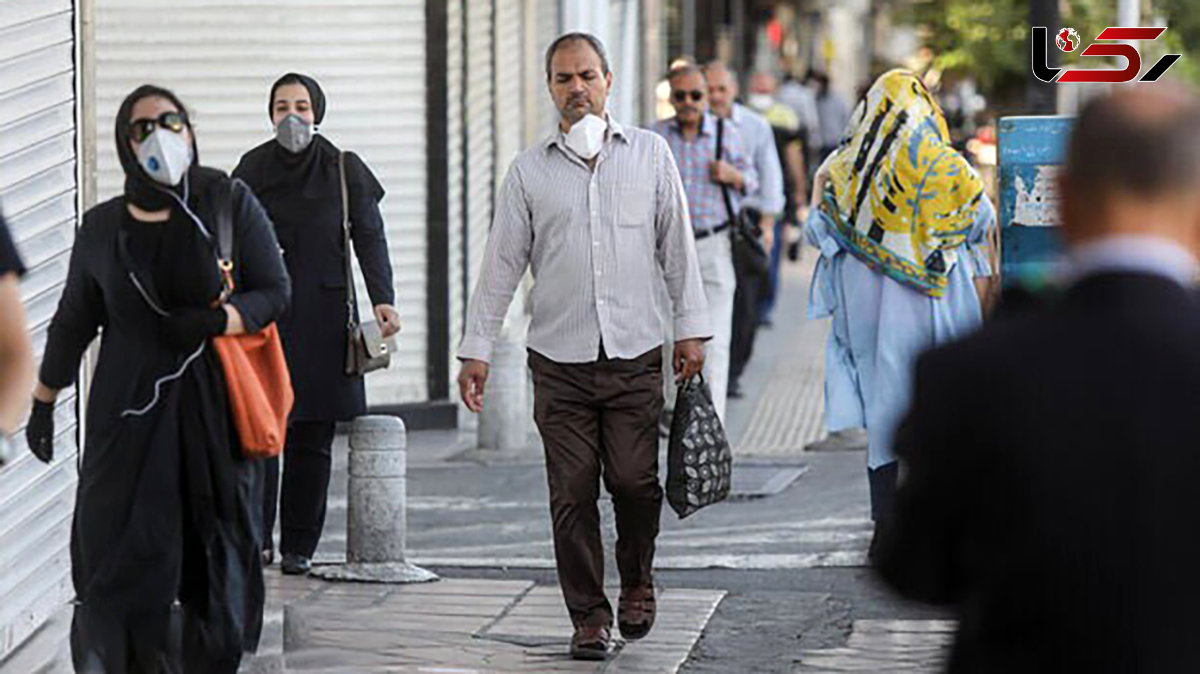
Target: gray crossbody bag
(366, 348)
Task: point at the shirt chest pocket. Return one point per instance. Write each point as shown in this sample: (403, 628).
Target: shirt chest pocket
(634, 205)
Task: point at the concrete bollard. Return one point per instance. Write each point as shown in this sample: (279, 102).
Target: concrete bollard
(375, 514)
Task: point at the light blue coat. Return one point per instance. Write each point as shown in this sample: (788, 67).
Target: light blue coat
(880, 327)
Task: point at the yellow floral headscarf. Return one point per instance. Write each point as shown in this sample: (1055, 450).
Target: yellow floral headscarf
(899, 196)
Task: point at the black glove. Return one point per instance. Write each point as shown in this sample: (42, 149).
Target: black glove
(185, 329)
(39, 433)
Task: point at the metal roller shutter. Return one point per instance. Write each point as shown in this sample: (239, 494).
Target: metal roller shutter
(548, 28)
(459, 294)
(222, 57)
(510, 79)
(480, 151)
(38, 195)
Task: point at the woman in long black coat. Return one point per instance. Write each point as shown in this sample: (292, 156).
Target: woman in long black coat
(167, 507)
(296, 177)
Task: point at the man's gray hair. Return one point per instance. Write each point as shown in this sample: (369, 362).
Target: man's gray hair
(571, 38)
(685, 69)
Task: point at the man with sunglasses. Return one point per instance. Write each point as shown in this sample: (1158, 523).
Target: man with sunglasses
(692, 136)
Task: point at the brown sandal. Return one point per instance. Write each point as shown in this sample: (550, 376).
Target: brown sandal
(636, 612)
(591, 642)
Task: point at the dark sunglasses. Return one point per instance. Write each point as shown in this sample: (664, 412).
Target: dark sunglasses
(140, 129)
(680, 95)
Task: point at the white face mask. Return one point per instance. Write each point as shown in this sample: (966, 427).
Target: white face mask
(165, 156)
(586, 136)
(760, 102)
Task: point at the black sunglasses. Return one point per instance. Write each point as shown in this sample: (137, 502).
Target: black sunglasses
(680, 95)
(140, 129)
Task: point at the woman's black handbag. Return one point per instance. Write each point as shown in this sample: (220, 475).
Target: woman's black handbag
(749, 256)
(366, 348)
(699, 459)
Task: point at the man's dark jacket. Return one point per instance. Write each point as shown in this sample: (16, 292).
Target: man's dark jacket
(1050, 484)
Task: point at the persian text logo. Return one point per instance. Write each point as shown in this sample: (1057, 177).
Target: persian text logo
(1068, 40)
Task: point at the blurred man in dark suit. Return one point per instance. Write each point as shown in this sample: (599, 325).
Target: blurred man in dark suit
(1050, 463)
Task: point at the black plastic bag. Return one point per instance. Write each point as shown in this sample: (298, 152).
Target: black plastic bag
(699, 460)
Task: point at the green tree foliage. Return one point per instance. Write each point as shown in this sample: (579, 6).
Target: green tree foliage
(1183, 31)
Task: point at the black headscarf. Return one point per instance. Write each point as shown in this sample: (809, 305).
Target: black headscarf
(142, 190)
(270, 168)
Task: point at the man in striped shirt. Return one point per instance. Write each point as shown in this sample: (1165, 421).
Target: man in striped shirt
(598, 212)
(692, 136)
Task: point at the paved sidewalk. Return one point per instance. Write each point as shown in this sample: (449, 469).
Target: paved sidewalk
(917, 646)
(784, 407)
(455, 626)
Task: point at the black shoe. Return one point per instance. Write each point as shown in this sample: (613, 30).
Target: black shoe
(734, 391)
(295, 565)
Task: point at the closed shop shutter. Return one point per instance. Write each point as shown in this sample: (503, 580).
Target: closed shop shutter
(480, 152)
(221, 58)
(510, 84)
(455, 141)
(38, 197)
(548, 27)
(624, 38)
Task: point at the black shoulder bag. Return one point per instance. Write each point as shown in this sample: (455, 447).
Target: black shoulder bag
(749, 256)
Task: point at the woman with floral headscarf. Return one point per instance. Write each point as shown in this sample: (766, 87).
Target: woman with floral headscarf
(902, 224)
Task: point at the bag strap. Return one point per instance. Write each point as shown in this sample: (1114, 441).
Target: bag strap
(724, 188)
(351, 291)
(224, 198)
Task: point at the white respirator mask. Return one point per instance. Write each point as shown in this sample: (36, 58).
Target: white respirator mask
(165, 156)
(586, 136)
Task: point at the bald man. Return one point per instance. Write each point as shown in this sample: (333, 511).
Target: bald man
(765, 205)
(1049, 463)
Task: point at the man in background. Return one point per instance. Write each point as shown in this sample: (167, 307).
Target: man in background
(764, 206)
(709, 176)
(833, 113)
(788, 131)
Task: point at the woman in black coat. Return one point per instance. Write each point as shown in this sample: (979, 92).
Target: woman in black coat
(296, 177)
(167, 506)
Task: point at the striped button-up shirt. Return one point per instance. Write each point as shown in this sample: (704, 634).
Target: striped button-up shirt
(598, 241)
(693, 157)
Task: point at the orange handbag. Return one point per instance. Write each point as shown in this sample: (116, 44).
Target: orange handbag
(256, 372)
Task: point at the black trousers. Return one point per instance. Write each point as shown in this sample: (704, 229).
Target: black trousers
(307, 462)
(882, 481)
(746, 303)
(598, 421)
